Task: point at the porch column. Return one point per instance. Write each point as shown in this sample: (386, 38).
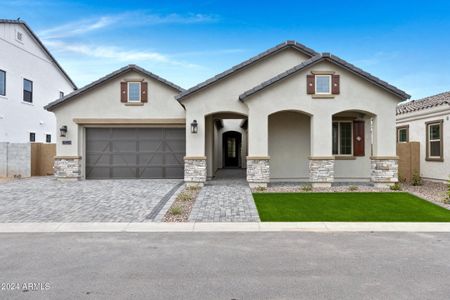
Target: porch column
(384, 159)
(258, 160)
(195, 159)
(321, 160)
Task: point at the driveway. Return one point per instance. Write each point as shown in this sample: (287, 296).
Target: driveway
(44, 199)
(281, 265)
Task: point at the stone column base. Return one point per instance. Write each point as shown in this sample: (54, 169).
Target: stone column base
(67, 167)
(321, 171)
(195, 170)
(384, 171)
(258, 171)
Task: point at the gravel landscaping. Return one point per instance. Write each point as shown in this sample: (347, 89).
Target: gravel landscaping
(432, 191)
(182, 206)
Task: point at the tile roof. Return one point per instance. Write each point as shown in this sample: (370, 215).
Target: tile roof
(108, 77)
(20, 22)
(333, 59)
(425, 103)
(288, 44)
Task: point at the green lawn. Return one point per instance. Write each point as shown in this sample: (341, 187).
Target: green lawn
(347, 207)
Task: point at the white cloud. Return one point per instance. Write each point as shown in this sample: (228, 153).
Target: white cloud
(79, 27)
(115, 53)
(127, 19)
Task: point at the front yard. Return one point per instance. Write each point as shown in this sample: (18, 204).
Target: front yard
(347, 207)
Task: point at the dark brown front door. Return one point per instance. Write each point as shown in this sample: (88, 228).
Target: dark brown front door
(232, 148)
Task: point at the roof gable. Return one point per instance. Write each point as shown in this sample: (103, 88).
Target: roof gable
(41, 45)
(333, 59)
(424, 103)
(51, 106)
(288, 44)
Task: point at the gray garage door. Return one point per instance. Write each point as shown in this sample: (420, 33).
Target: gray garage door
(135, 152)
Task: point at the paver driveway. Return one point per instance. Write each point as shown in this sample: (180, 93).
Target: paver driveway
(44, 199)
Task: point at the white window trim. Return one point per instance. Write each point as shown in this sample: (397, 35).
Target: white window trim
(329, 84)
(339, 138)
(434, 140)
(128, 90)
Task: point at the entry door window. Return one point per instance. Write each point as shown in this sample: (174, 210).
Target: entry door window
(231, 147)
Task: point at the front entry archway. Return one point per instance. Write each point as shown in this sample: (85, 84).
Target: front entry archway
(231, 142)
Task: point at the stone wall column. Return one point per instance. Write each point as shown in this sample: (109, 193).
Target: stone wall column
(384, 170)
(321, 171)
(258, 171)
(195, 170)
(67, 167)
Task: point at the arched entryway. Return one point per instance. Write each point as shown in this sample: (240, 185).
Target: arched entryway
(232, 148)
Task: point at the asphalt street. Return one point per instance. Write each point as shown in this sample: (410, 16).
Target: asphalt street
(253, 265)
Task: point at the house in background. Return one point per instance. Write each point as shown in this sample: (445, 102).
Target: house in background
(427, 121)
(287, 114)
(29, 78)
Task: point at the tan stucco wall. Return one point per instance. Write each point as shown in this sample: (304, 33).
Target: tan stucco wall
(103, 102)
(356, 94)
(223, 96)
(289, 145)
(417, 133)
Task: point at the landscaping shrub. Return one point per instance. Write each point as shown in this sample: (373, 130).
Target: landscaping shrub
(260, 189)
(416, 180)
(353, 188)
(447, 200)
(184, 196)
(307, 188)
(176, 210)
(396, 187)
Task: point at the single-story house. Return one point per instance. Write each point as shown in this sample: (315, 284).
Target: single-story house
(427, 121)
(287, 114)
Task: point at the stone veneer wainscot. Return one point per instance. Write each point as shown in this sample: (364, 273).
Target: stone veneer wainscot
(67, 167)
(195, 170)
(384, 171)
(258, 171)
(321, 171)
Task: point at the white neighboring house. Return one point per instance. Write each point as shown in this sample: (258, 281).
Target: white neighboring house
(428, 121)
(30, 77)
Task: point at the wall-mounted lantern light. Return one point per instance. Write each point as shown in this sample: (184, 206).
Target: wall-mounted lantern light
(63, 130)
(194, 126)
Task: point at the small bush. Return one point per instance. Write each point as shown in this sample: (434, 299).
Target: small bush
(416, 180)
(307, 188)
(176, 210)
(402, 179)
(184, 196)
(353, 188)
(260, 189)
(447, 201)
(193, 188)
(396, 187)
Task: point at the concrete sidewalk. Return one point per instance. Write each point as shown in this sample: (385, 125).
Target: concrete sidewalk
(226, 227)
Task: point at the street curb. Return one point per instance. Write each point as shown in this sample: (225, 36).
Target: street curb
(225, 227)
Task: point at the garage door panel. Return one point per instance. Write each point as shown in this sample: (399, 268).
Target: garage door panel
(135, 152)
(98, 172)
(152, 172)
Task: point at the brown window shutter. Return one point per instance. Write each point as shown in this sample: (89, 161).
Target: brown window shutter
(358, 138)
(335, 84)
(144, 92)
(123, 92)
(310, 85)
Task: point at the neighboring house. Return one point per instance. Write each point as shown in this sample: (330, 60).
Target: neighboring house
(29, 78)
(287, 114)
(427, 121)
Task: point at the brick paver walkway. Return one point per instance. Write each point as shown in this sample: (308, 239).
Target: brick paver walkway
(44, 199)
(227, 198)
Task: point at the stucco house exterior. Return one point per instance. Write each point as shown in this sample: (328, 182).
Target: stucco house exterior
(29, 78)
(287, 114)
(427, 121)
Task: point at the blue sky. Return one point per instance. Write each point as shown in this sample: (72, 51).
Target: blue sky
(406, 43)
